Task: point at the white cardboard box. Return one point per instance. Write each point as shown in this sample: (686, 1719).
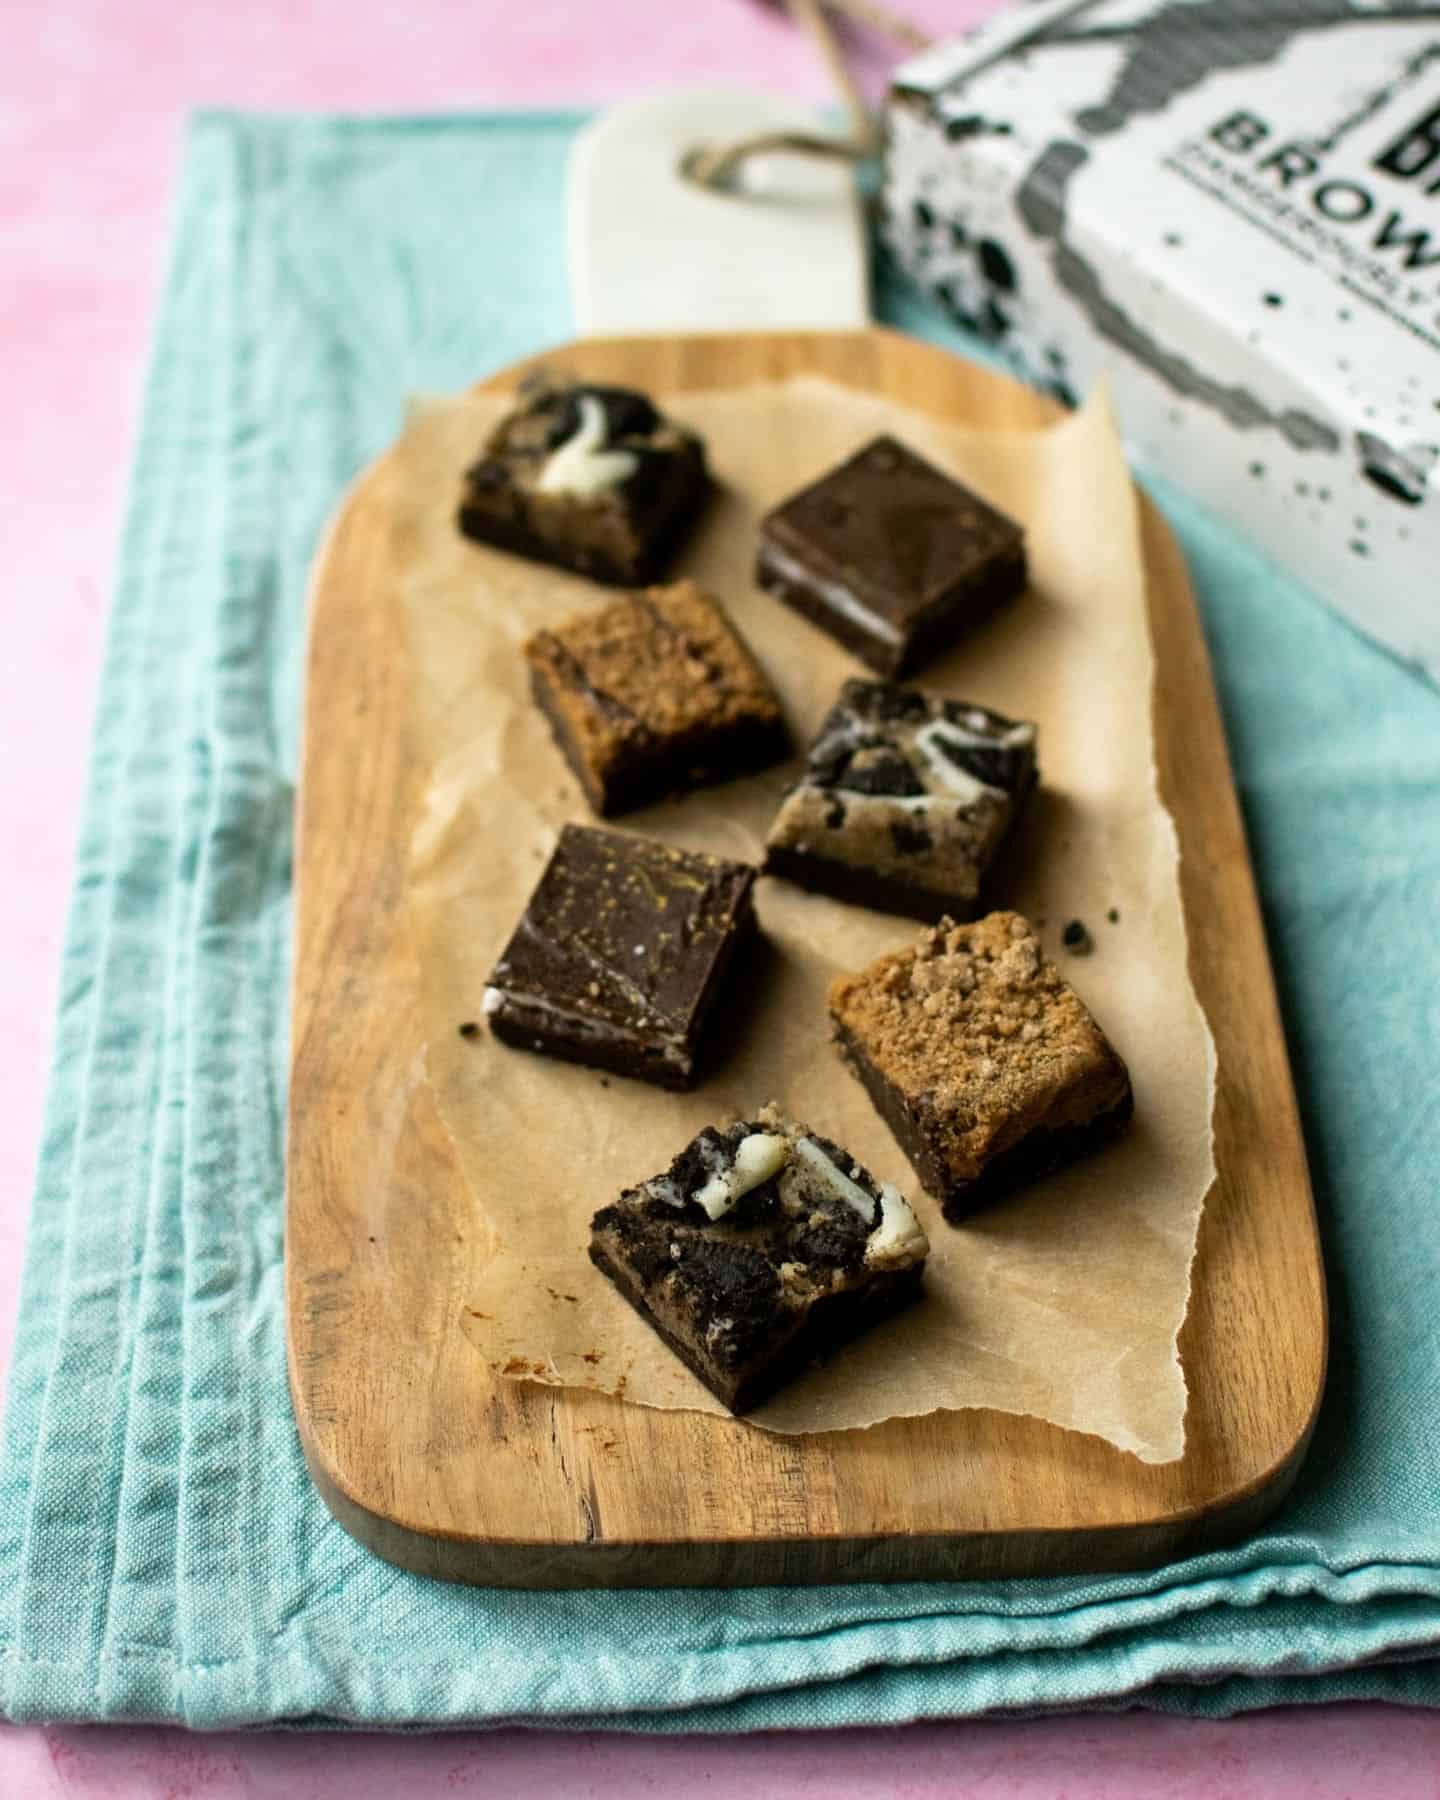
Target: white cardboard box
(1231, 208)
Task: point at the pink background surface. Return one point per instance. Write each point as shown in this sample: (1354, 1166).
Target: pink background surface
(92, 94)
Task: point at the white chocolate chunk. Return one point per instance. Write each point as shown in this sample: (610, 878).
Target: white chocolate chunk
(836, 1179)
(899, 1237)
(582, 465)
(491, 1001)
(759, 1156)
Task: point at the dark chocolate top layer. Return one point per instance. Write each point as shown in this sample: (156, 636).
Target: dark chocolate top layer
(891, 529)
(623, 933)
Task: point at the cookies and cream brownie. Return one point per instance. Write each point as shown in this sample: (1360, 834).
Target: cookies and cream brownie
(590, 477)
(891, 556)
(905, 800)
(981, 1058)
(652, 694)
(619, 956)
(761, 1247)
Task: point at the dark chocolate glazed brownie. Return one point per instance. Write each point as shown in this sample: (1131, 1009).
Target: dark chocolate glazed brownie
(891, 556)
(620, 954)
(762, 1246)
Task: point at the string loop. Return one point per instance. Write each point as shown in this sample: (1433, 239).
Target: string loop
(715, 166)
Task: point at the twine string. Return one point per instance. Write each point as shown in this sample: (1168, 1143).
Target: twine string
(717, 165)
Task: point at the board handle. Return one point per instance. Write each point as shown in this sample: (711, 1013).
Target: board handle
(779, 247)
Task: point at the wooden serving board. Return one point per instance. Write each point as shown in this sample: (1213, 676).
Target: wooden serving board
(445, 1469)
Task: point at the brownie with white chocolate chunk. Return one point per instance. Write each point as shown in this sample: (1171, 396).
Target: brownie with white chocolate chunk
(590, 477)
(981, 1058)
(905, 800)
(620, 955)
(653, 694)
(760, 1248)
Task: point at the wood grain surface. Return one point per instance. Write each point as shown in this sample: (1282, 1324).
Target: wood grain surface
(435, 1464)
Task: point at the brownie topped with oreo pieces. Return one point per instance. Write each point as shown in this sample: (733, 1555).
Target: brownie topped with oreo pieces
(761, 1247)
(905, 800)
(588, 476)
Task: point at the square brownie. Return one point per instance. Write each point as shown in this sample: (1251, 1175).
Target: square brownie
(589, 477)
(761, 1247)
(982, 1060)
(904, 802)
(617, 960)
(652, 694)
(891, 556)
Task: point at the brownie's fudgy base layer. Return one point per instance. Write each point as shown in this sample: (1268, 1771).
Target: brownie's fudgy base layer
(760, 1248)
(857, 887)
(618, 959)
(652, 695)
(981, 1059)
(905, 801)
(699, 759)
(588, 477)
(1041, 1153)
(890, 556)
(928, 634)
(663, 1062)
(833, 1322)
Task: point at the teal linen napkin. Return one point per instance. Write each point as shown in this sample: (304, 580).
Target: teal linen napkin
(162, 1553)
